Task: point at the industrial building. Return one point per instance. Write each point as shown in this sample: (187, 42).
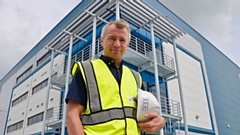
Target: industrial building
(198, 87)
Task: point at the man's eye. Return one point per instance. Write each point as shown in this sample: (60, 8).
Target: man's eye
(122, 41)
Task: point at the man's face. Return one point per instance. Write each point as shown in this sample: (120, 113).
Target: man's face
(115, 42)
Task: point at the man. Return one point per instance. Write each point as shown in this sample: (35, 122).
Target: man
(100, 91)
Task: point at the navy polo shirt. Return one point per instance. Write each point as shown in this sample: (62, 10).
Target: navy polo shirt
(77, 90)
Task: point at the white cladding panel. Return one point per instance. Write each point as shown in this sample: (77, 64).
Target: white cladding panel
(191, 45)
(6, 91)
(193, 87)
(22, 88)
(5, 95)
(35, 103)
(17, 113)
(16, 132)
(35, 128)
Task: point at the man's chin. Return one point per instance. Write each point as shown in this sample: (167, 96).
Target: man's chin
(117, 58)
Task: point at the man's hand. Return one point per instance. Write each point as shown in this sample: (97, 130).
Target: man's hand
(154, 124)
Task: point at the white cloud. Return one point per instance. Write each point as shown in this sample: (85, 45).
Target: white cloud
(24, 23)
(217, 20)
(234, 6)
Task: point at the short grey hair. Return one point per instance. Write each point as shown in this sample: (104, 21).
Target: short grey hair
(119, 24)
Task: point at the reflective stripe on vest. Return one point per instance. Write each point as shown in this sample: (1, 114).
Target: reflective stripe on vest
(108, 115)
(92, 85)
(137, 78)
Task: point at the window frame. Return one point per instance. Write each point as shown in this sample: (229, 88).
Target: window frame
(24, 74)
(39, 86)
(20, 99)
(15, 126)
(43, 58)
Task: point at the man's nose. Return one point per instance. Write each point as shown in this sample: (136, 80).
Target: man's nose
(117, 43)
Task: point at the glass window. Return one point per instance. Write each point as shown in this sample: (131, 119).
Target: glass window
(40, 117)
(35, 119)
(30, 121)
(24, 74)
(45, 83)
(19, 99)
(15, 126)
(9, 129)
(39, 86)
(20, 125)
(43, 58)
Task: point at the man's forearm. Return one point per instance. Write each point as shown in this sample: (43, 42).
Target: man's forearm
(74, 126)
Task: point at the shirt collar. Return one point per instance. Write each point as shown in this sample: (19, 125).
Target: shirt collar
(109, 61)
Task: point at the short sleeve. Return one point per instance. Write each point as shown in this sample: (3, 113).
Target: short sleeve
(77, 90)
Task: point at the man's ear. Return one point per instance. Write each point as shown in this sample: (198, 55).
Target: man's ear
(101, 41)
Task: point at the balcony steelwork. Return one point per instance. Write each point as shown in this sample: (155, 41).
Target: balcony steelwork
(140, 54)
(170, 108)
(54, 120)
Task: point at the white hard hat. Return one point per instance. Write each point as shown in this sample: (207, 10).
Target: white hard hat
(146, 103)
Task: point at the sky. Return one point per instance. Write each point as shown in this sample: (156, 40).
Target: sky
(216, 20)
(24, 23)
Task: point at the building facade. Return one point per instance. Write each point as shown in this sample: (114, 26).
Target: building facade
(197, 85)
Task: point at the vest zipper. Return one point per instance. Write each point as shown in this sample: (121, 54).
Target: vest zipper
(119, 85)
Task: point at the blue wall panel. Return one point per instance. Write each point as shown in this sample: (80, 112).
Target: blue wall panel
(233, 130)
(220, 90)
(226, 115)
(222, 100)
(223, 108)
(225, 87)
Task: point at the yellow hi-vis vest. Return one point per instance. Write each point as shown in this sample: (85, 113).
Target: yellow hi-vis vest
(111, 109)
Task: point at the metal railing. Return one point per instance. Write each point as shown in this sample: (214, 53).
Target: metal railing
(145, 49)
(84, 54)
(59, 71)
(56, 114)
(170, 107)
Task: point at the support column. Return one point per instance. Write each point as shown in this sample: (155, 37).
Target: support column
(180, 87)
(94, 37)
(117, 10)
(156, 72)
(48, 91)
(67, 84)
